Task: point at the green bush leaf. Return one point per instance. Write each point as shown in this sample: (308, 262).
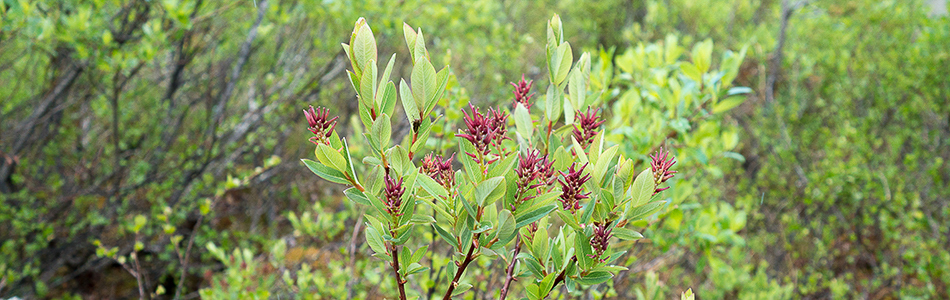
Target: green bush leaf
(325, 172)
(490, 190)
(534, 215)
(642, 188)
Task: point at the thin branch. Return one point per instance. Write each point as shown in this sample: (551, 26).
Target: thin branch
(509, 274)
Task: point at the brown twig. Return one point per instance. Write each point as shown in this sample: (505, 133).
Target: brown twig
(509, 274)
(184, 260)
(394, 250)
(458, 274)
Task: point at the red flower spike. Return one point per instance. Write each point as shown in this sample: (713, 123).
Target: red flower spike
(661, 168)
(484, 130)
(521, 92)
(600, 238)
(533, 168)
(393, 193)
(589, 122)
(439, 169)
(572, 187)
(320, 124)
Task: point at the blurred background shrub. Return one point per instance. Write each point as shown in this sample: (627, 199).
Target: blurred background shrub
(154, 143)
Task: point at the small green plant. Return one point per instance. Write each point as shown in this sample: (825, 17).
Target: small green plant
(549, 199)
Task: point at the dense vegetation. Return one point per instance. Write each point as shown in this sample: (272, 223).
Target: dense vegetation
(151, 148)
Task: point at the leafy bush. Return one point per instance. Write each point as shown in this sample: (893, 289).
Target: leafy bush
(511, 180)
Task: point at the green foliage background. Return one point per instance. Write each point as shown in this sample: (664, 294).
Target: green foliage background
(142, 125)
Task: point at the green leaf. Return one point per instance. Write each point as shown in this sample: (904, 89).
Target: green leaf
(423, 82)
(419, 50)
(640, 212)
(468, 207)
(692, 72)
(382, 131)
(577, 87)
(595, 277)
(448, 237)
(534, 215)
(506, 229)
(502, 166)
(442, 80)
(410, 35)
(331, 157)
(431, 186)
(325, 172)
(523, 121)
(375, 240)
(564, 65)
(490, 190)
(408, 103)
(584, 251)
(626, 234)
(461, 288)
(568, 219)
(421, 219)
(349, 162)
(603, 162)
(385, 79)
(388, 98)
(368, 85)
(642, 188)
(138, 222)
(357, 196)
(727, 104)
(364, 46)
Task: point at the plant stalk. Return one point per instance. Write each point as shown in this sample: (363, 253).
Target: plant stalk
(399, 282)
(509, 274)
(458, 274)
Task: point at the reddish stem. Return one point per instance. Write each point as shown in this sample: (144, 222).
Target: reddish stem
(509, 275)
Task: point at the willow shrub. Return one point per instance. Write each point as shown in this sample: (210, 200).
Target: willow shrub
(550, 198)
